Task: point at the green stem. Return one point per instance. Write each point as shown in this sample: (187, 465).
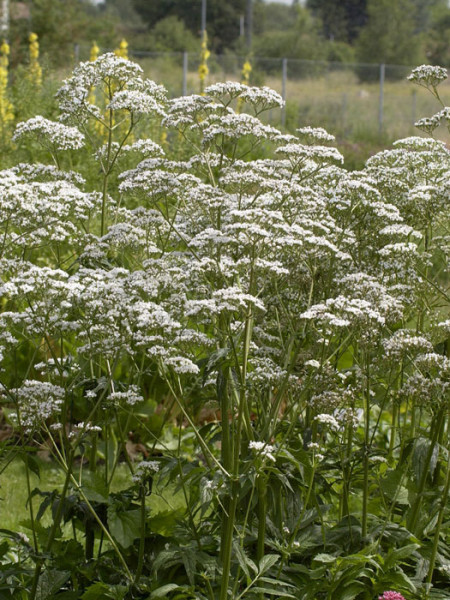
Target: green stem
(141, 539)
(227, 533)
(53, 530)
(436, 425)
(366, 454)
(393, 429)
(444, 499)
(294, 533)
(30, 503)
(262, 508)
(105, 178)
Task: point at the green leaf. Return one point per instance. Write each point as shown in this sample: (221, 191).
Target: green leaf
(324, 558)
(31, 462)
(124, 525)
(392, 488)
(272, 592)
(267, 562)
(351, 591)
(164, 521)
(50, 582)
(94, 487)
(420, 455)
(244, 561)
(117, 592)
(397, 555)
(4, 547)
(162, 591)
(102, 591)
(98, 591)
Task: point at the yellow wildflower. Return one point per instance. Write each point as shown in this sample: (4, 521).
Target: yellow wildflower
(203, 67)
(94, 52)
(6, 107)
(246, 70)
(122, 50)
(35, 71)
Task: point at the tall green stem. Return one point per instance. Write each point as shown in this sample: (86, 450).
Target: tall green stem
(53, 530)
(414, 516)
(106, 175)
(227, 532)
(142, 538)
(262, 506)
(366, 452)
(443, 506)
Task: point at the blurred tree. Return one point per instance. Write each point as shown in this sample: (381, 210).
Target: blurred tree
(222, 20)
(390, 35)
(425, 10)
(341, 20)
(171, 35)
(59, 25)
(301, 41)
(437, 42)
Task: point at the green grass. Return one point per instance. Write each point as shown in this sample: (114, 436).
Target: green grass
(14, 511)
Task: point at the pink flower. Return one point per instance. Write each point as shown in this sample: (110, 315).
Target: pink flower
(391, 596)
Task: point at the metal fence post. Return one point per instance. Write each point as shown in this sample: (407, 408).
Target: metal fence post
(283, 90)
(381, 102)
(414, 107)
(185, 73)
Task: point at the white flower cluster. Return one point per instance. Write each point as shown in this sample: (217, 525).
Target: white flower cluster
(428, 75)
(145, 470)
(50, 133)
(38, 402)
(175, 259)
(264, 450)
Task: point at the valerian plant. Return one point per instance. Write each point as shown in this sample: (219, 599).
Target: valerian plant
(272, 328)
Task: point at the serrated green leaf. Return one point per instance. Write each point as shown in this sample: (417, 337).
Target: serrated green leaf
(162, 591)
(391, 486)
(94, 487)
(242, 558)
(97, 591)
(267, 562)
(125, 525)
(269, 591)
(50, 582)
(397, 555)
(324, 558)
(351, 591)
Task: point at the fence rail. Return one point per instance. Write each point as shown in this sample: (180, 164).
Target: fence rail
(350, 99)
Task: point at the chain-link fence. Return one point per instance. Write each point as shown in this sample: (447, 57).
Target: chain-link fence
(350, 100)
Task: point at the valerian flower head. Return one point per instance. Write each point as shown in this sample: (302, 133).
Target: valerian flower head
(38, 401)
(264, 450)
(428, 75)
(50, 133)
(145, 471)
(314, 135)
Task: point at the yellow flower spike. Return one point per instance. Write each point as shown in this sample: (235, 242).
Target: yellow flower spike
(5, 49)
(122, 50)
(35, 71)
(246, 70)
(94, 52)
(6, 107)
(203, 67)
